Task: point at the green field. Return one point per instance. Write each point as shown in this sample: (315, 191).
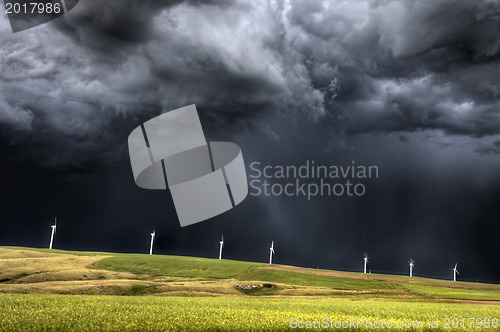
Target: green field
(42, 290)
(176, 266)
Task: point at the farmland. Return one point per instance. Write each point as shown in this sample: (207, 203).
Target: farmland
(78, 291)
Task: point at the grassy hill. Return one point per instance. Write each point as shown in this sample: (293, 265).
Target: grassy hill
(28, 270)
(213, 294)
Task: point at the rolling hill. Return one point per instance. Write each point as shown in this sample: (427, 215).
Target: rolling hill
(29, 270)
(30, 276)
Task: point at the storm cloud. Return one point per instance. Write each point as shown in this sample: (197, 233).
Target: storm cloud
(380, 66)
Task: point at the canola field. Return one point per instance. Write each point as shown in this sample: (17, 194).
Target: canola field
(38, 312)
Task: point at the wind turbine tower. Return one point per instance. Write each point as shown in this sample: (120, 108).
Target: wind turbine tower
(455, 272)
(152, 241)
(53, 232)
(366, 262)
(271, 252)
(220, 247)
(411, 262)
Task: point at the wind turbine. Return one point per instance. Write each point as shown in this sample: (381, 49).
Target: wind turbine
(53, 232)
(455, 272)
(366, 262)
(152, 240)
(412, 264)
(221, 245)
(271, 252)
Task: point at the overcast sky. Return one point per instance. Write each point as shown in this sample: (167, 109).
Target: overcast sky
(409, 86)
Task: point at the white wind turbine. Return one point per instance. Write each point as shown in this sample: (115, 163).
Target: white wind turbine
(455, 272)
(411, 262)
(366, 262)
(271, 252)
(220, 247)
(152, 241)
(53, 232)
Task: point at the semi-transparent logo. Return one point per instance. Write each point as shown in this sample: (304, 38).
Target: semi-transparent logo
(205, 179)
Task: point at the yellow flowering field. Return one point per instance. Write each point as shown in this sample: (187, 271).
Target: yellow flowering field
(21, 312)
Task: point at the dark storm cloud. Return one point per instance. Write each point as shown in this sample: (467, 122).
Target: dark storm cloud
(378, 66)
(406, 65)
(65, 85)
(115, 23)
